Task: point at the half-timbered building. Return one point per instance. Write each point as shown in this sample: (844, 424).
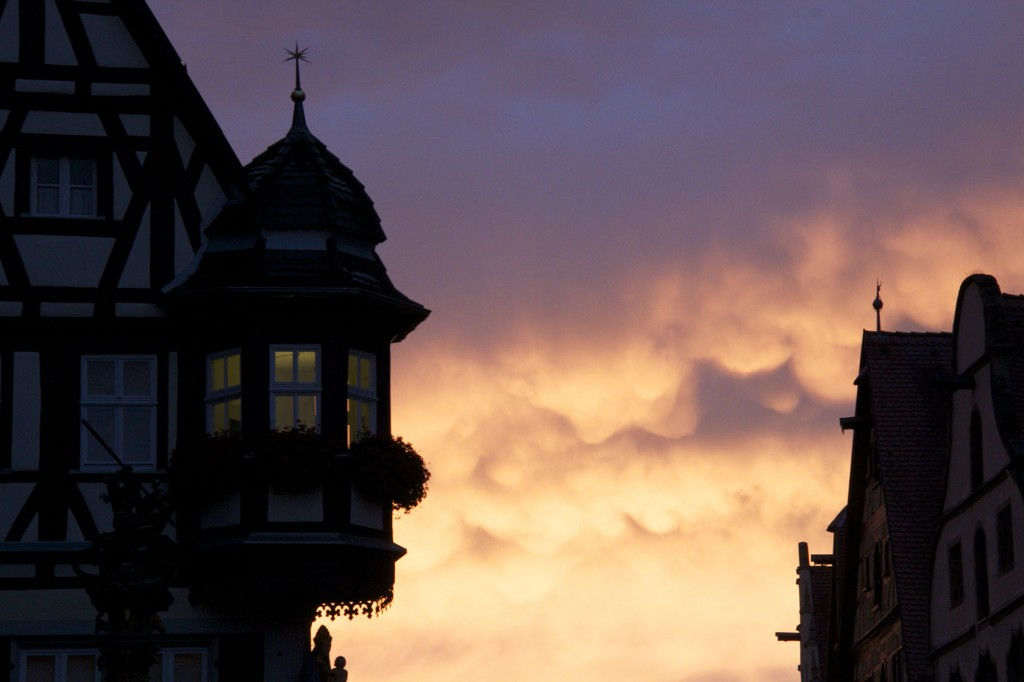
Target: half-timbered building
(154, 291)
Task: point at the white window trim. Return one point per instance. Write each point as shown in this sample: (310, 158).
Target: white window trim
(167, 661)
(221, 395)
(118, 402)
(293, 388)
(64, 187)
(60, 662)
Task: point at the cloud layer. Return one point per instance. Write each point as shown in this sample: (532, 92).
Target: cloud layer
(650, 236)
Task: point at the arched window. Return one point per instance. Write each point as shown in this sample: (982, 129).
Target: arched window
(977, 468)
(981, 573)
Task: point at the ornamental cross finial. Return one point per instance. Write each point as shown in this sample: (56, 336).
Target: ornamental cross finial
(877, 305)
(297, 56)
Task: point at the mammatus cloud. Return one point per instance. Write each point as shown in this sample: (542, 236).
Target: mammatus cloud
(650, 238)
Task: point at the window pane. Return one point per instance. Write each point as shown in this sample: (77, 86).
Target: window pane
(83, 201)
(364, 373)
(40, 669)
(47, 200)
(283, 366)
(353, 364)
(188, 667)
(101, 419)
(218, 417)
(307, 366)
(81, 668)
(284, 415)
(82, 172)
(138, 435)
(307, 410)
(235, 415)
(216, 374)
(99, 380)
(138, 380)
(47, 170)
(234, 369)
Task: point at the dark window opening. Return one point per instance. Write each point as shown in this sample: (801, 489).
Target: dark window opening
(1004, 538)
(981, 573)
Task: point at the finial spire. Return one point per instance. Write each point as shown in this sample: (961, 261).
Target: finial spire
(297, 55)
(877, 305)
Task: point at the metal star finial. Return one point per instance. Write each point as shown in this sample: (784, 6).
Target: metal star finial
(297, 56)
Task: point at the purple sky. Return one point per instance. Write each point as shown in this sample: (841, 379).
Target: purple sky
(650, 234)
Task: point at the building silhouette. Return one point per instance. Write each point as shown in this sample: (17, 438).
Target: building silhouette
(187, 349)
(923, 582)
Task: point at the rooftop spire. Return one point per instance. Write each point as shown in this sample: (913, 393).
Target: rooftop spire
(877, 305)
(298, 115)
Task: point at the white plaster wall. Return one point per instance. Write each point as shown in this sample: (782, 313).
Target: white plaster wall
(56, 45)
(136, 268)
(122, 191)
(13, 496)
(994, 639)
(946, 623)
(286, 508)
(365, 513)
(25, 412)
(63, 123)
(970, 340)
(209, 195)
(29, 613)
(60, 260)
(184, 141)
(136, 124)
(111, 42)
(9, 33)
(120, 89)
(7, 183)
(183, 252)
(102, 515)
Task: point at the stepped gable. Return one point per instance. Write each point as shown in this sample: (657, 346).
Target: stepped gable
(910, 413)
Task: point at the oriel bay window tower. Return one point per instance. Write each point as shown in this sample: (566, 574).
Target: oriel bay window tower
(223, 330)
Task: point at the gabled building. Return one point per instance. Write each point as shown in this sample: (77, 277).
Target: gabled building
(977, 588)
(154, 292)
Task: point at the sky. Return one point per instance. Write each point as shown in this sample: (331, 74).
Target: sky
(650, 234)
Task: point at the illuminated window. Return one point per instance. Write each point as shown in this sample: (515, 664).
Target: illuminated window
(362, 394)
(294, 386)
(224, 392)
(119, 402)
(64, 186)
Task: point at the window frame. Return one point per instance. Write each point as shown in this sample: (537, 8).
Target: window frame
(60, 661)
(120, 402)
(32, 146)
(295, 387)
(361, 395)
(65, 186)
(225, 395)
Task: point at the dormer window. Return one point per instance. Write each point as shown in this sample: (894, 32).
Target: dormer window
(224, 392)
(362, 394)
(64, 186)
(294, 386)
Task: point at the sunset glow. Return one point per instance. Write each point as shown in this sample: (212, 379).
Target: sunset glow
(650, 235)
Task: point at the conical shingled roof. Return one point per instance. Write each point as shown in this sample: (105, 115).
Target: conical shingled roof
(298, 184)
(305, 227)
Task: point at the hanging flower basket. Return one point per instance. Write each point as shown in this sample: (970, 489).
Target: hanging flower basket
(389, 471)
